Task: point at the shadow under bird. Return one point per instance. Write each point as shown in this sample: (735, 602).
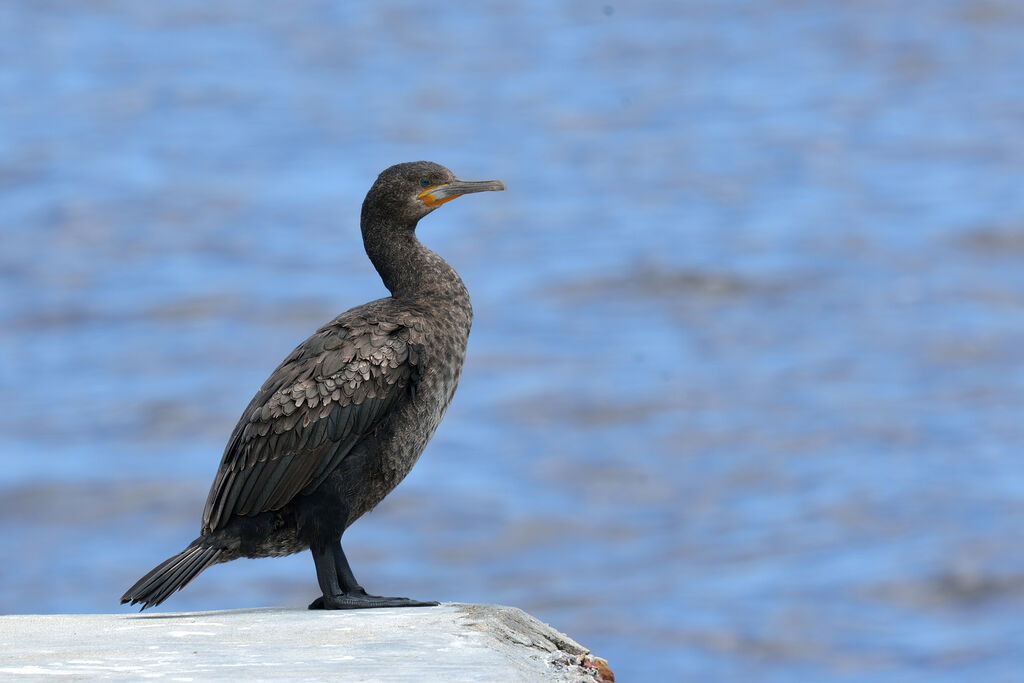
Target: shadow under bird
(344, 418)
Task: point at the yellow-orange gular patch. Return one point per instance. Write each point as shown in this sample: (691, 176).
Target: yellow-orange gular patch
(432, 198)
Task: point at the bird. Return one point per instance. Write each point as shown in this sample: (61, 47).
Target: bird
(343, 419)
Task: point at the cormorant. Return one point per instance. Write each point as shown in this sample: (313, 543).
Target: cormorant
(345, 417)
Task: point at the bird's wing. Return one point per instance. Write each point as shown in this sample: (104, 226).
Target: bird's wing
(330, 392)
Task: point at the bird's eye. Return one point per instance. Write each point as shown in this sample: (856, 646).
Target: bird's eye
(424, 182)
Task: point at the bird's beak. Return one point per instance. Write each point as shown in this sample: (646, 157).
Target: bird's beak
(439, 194)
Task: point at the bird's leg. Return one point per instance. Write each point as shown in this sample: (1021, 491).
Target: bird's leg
(340, 588)
(346, 579)
(326, 573)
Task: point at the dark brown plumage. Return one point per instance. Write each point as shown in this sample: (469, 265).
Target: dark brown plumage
(345, 417)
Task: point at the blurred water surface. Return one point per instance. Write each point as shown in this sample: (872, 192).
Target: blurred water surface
(743, 396)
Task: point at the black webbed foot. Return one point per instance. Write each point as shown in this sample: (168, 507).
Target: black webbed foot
(360, 600)
(340, 590)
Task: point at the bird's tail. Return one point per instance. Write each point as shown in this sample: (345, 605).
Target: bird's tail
(172, 574)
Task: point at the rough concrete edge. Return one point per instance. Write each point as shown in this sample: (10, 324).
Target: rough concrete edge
(514, 628)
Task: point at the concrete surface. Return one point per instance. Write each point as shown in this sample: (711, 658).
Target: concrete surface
(453, 642)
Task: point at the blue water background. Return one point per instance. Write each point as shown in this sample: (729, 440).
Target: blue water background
(745, 391)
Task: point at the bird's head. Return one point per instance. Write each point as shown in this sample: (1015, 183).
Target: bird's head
(405, 193)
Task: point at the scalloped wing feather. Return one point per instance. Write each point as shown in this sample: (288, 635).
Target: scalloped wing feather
(331, 392)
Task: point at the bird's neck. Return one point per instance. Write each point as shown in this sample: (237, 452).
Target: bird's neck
(410, 270)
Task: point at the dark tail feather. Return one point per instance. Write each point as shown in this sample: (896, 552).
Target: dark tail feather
(170, 575)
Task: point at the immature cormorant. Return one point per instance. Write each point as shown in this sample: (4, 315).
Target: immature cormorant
(346, 415)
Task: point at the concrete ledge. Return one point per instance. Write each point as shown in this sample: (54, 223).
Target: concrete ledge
(453, 642)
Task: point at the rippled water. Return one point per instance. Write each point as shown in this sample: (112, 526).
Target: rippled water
(743, 396)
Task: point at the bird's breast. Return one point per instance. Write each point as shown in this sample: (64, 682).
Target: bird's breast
(443, 340)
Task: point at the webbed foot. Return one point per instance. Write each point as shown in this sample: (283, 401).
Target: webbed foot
(358, 599)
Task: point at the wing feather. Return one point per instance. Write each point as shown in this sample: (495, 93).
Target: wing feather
(330, 393)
